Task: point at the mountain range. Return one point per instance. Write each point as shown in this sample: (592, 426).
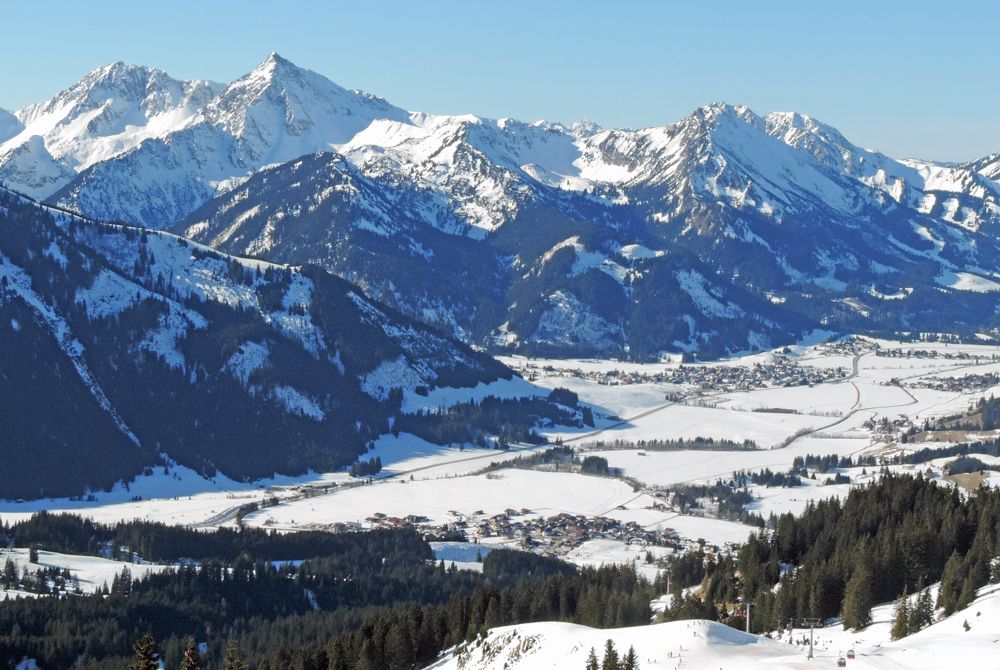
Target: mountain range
(725, 231)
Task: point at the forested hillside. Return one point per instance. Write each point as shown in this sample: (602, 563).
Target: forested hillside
(126, 349)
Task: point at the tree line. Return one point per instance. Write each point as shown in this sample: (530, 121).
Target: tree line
(358, 600)
(841, 557)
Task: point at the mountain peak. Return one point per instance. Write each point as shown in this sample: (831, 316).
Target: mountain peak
(115, 67)
(279, 111)
(116, 74)
(276, 58)
(9, 125)
(584, 126)
(710, 118)
(276, 66)
(720, 110)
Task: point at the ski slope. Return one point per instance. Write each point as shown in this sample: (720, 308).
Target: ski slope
(709, 645)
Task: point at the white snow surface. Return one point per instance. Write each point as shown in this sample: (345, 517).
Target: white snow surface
(545, 494)
(966, 281)
(709, 645)
(92, 572)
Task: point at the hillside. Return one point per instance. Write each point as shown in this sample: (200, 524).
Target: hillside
(708, 644)
(127, 349)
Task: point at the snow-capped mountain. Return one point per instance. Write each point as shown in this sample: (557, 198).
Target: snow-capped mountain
(164, 350)
(550, 237)
(725, 231)
(275, 113)
(110, 111)
(989, 166)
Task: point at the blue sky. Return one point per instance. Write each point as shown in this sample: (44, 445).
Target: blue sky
(908, 78)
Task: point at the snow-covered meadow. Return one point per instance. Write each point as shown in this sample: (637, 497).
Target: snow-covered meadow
(91, 572)
(544, 493)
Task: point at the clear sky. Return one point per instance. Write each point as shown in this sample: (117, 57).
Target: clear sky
(910, 78)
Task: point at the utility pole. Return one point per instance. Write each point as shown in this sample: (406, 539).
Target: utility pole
(812, 622)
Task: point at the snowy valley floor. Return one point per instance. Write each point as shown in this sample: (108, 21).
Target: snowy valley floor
(631, 402)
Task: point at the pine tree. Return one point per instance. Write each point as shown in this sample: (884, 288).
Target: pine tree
(592, 663)
(233, 660)
(398, 647)
(368, 658)
(493, 616)
(966, 595)
(337, 656)
(901, 618)
(951, 584)
(857, 609)
(8, 579)
(922, 612)
(610, 661)
(145, 654)
(631, 661)
(192, 659)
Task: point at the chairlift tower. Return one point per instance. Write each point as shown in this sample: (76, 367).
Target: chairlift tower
(812, 622)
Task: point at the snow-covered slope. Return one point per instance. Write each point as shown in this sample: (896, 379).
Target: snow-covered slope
(90, 572)
(989, 166)
(706, 644)
(165, 351)
(9, 125)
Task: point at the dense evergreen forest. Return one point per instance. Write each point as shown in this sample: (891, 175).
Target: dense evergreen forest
(840, 558)
(510, 419)
(360, 600)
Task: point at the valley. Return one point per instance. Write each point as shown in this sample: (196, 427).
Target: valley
(859, 413)
(297, 377)
(658, 440)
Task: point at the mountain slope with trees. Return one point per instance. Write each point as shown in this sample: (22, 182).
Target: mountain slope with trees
(126, 349)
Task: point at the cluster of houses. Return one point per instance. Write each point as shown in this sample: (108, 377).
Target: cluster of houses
(889, 428)
(551, 535)
(930, 353)
(566, 531)
(781, 371)
(962, 384)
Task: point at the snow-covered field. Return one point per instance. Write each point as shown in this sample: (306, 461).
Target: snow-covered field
(685, 421)
(595, 553)
(709, 645)
(91, 572)
(544, 493)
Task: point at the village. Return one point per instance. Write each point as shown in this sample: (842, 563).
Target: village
(781, 372)
(963, 384)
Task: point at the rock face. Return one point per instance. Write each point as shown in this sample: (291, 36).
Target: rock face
(725, 231)
(165, 351)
